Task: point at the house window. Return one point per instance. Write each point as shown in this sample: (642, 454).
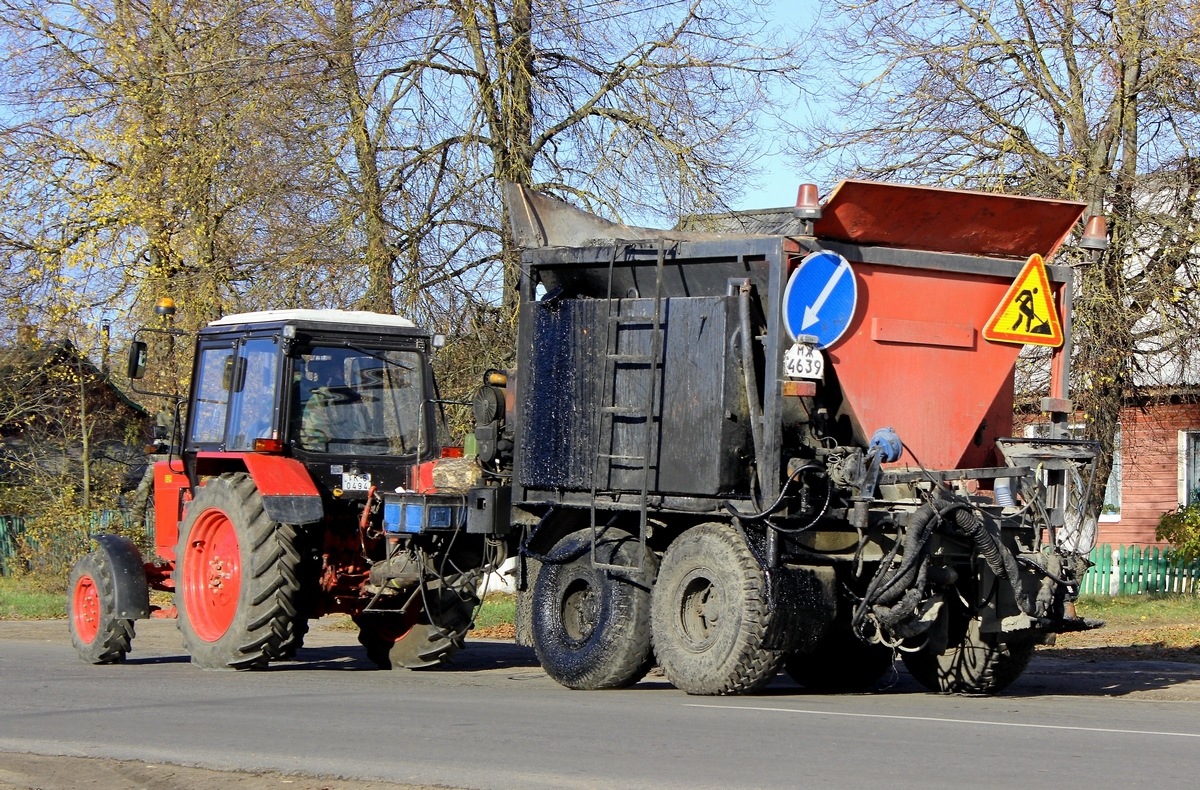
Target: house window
(1189, 467)
(1111, 509)
(1112, 487)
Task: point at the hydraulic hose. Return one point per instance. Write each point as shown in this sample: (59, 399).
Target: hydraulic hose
(750, 378)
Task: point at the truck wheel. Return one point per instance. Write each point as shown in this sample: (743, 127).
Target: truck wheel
(417, 639)
(591, 626)
(236, 578)
(710, 615)
(98, 635)
(840, 663)
(977, 664)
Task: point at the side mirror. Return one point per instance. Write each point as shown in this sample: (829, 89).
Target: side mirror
(135, 367)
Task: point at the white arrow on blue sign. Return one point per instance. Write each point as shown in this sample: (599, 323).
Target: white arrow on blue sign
(820, 298)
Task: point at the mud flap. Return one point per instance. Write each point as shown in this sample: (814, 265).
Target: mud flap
(131, 593)
(804, 603)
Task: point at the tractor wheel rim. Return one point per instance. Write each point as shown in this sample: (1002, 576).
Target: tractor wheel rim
(85, 609)
(212, 575)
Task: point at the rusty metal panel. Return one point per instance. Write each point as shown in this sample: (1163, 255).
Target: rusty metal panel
(946, 220)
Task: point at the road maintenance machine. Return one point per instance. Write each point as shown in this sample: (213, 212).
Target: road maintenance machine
(783, 439)
(778, 439)
(311, 478)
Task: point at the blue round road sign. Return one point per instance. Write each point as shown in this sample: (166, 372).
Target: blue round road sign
(820, 298)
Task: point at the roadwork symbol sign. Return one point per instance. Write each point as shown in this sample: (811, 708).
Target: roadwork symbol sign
(1027, 314)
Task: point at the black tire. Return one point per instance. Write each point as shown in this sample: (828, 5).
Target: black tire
(419, 638)
(308, 571)
(291, 646)
(840, 663)
(591, 626)
(236, 579)
(710, 615)
(974, 663)
(97, 634)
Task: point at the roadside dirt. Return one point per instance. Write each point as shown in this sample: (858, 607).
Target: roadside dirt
(68, 773)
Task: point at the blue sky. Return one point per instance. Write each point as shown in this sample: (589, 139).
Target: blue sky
(780, 178)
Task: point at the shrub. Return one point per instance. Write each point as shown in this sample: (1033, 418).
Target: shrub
(1181, 528)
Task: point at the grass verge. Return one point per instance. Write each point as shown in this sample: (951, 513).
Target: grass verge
(28, 598)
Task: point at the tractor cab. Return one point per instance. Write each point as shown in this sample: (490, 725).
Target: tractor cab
(350, 395)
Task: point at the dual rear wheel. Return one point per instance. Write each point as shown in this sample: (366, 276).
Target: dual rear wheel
(706, 620)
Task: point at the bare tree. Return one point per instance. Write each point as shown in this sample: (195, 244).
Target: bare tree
(338, 153)
(1076, 99)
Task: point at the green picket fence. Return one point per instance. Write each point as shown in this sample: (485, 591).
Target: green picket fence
(64, 547)
(10, 528)
(1130, 570)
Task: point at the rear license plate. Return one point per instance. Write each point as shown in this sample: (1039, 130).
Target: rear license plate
(355, 482)
(802, 361)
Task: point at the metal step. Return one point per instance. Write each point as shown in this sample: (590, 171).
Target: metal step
(635, 458)
(625, 411)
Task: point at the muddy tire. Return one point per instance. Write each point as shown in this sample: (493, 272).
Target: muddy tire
(974, 663)
(840, 663)
(591, 626)
(97, 634)
(236, 579)
(710, 616)
(418, 638)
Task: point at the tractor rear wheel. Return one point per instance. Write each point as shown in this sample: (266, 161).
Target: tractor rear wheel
(423, 636)
(710, 617)
(973, 663)
(236, 579)
(591, 626)
(96, 632)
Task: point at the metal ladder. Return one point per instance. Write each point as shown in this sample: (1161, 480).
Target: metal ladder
(610, 410)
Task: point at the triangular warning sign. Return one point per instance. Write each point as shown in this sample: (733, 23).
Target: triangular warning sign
(1027, 314)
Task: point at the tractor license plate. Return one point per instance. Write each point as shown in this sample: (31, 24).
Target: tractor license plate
(803, 361)
(355, 482)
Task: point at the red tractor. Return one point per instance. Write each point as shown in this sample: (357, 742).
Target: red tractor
(309, 478)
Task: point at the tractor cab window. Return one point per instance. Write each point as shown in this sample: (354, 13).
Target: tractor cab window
(212, 395)
(236, 387)
(349, 401)
(252, 405)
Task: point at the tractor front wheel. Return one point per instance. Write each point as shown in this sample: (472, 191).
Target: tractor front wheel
(96, 632)
(236, 577)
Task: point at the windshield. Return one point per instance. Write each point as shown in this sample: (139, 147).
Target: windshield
(351, 402)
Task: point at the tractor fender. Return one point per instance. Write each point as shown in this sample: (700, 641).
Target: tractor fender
(131, 593)
(288, 492)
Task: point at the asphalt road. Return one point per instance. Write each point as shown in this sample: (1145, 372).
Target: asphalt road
(494, 720)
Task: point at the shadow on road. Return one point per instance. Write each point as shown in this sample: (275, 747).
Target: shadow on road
(1094, 672)
(475, 657)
